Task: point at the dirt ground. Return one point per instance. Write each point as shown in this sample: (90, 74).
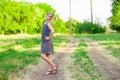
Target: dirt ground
(61, 58)
(106, 64)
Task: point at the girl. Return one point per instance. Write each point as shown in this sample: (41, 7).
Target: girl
(47, 47)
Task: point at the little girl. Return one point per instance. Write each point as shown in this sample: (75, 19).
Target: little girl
(47, 46)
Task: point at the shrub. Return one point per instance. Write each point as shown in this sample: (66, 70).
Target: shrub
(88, 27)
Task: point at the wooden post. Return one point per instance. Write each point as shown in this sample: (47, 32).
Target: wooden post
(91, 11)
(70, 17)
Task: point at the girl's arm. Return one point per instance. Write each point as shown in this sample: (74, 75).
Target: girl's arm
(51, 31)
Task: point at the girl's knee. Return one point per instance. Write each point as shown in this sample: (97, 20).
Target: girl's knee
(43, 55)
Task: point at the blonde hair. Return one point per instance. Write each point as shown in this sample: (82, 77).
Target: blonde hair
(50, 13)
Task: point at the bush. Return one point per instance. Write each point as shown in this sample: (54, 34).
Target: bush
(88, 27)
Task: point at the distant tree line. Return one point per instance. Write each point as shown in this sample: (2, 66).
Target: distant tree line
(25, 17)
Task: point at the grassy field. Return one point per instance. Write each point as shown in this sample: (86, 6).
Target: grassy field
(110, 41)
(83, 66)
(17, 52)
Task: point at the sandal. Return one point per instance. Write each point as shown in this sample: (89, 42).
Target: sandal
(55, 70)
(48, 73)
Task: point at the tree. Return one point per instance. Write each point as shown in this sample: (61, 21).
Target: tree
(115, 18)
(25, 17)
(74, 25)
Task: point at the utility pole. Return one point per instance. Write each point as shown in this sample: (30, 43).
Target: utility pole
(91, 11)
(70, 17)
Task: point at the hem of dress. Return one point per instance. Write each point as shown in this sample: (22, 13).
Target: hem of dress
(46, 53)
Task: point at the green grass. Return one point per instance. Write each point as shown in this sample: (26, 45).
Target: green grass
(101, 37)
(84, 64)
(12, 61)
(18, 52)
(110, 41)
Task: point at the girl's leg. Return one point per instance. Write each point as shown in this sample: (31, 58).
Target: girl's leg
(48, 60)
(54, 69)
(49, 66)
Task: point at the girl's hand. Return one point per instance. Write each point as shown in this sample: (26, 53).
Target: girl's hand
(47, 38)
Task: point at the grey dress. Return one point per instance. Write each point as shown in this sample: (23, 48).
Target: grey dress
(46, 46)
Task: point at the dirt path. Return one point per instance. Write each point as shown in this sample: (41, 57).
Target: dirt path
(108, 66)
(61, 58)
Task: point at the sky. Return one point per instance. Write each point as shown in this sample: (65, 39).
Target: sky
(80, 9)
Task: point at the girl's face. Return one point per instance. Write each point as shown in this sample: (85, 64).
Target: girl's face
(48, 17)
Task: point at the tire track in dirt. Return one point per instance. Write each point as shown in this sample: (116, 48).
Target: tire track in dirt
(60, 58)
(110, 69)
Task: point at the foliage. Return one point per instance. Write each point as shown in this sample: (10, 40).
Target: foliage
(115, 18)
(88, 27)
(24, 17)
(59, 25)
(74, 25)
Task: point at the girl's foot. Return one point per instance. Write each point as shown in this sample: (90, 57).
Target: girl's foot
(48, 73)
(55, 69)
